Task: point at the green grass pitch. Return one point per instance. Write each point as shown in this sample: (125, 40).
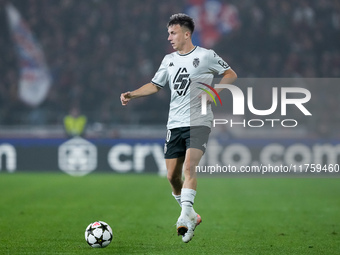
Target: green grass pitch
(48, 213)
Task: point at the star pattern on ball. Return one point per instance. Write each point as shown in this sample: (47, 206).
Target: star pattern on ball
(103, 227)
(98, 234)
(89, 230)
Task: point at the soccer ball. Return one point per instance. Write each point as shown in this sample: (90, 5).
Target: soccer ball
(98, 234)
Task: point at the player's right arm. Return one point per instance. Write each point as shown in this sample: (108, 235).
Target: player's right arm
(157, 82)
(145, 90)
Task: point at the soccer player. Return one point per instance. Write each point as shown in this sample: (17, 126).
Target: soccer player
(184, 71)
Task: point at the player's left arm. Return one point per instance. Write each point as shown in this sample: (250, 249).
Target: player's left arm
(220, 67)
(228, 77)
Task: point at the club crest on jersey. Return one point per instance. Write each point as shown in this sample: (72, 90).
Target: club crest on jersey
(196, 62)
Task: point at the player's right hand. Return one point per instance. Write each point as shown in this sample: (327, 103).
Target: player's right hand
(125, 97)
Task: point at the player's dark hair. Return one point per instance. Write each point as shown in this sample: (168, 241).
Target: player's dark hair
(183, 20)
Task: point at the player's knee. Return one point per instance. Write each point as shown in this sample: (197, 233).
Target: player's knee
(174, 179)
(189, 166)
(189, 170)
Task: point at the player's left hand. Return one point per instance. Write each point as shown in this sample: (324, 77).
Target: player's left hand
(208, 97)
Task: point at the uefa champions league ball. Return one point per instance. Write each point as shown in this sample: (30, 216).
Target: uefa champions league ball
(98, 234)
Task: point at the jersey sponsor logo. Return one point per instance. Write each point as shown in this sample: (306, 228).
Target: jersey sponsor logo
(181, 81)
(196, 62)
(223, 64)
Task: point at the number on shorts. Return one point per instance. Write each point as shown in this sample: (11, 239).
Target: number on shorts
(168, 135)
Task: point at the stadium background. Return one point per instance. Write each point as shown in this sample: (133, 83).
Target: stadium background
(97, 49)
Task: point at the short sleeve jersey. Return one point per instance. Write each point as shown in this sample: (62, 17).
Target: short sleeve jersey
(185, 74)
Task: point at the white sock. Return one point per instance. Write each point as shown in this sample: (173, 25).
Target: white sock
(178, 199)
(187, 200)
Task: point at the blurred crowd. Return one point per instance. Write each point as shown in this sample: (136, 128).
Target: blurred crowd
(97, 49)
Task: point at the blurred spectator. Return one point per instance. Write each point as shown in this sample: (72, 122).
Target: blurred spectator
(75, 123)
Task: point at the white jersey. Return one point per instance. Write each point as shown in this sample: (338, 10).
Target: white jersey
(183, 74)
